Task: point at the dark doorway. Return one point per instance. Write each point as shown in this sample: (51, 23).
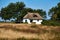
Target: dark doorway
(25, 21)
(31, 20)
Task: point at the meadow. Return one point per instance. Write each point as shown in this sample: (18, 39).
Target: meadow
(13, 31)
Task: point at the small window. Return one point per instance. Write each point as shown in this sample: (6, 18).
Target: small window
(31, 20)
(34, 15)
(38, 20)
(25, 21)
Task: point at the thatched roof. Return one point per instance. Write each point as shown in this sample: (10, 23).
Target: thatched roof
(32, 16)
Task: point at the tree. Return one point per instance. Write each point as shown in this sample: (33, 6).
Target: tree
(26, 10)
(11, 11)
(18, 10)
(22, 13)
(54, 12)
(41, 12)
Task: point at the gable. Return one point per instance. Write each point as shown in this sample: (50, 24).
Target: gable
(32, 16)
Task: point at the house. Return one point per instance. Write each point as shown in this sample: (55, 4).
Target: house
(32, 18)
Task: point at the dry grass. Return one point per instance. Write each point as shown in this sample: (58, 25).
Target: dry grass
(18, 31)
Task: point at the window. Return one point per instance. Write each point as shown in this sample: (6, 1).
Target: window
(38, 20)
(34, 15)
(31, 20)
(25, 21)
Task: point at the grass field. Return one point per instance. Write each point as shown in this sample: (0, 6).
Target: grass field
(11, 31)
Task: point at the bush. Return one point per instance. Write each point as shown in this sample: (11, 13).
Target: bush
(51, 23)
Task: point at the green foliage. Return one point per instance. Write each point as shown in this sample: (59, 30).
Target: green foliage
(51, 23)
(41, 12)
(54, 12)
(11, 11)
(18, 10)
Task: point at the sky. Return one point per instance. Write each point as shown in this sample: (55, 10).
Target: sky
(34, 4)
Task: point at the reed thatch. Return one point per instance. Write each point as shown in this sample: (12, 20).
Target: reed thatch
(32, 16)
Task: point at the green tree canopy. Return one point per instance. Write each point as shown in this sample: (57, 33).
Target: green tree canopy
(18, 10)
(54, 12)
(11, 10)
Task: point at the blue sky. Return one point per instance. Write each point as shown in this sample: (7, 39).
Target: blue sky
(34, 4)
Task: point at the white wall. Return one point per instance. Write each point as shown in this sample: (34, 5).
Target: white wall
(37, 21)
(28, 21)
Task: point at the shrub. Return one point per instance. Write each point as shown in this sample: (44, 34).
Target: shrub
(51, 23)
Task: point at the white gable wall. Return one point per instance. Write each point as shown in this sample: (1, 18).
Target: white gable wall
(28, 21)
(37, 21)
